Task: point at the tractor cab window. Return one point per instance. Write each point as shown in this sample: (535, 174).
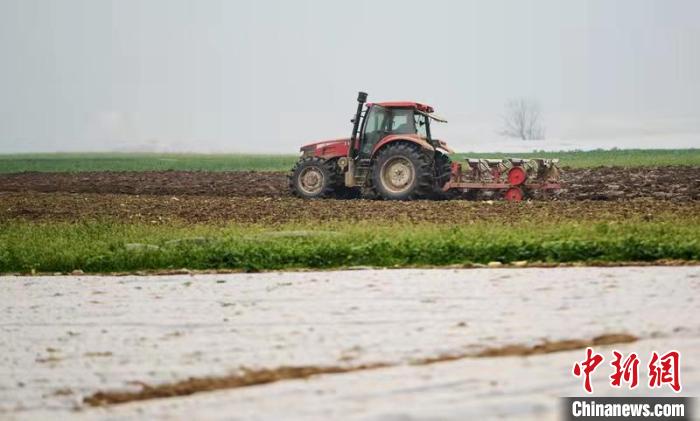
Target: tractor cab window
(375, 126)
(421, 125)
(376, 119)
(402, 121)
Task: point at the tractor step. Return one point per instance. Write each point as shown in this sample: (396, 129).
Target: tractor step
(362, 172)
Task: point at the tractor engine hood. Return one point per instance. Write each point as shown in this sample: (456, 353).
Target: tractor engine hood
(327, 148)
(325, 143)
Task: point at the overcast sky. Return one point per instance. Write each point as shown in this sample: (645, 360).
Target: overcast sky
(269, 75)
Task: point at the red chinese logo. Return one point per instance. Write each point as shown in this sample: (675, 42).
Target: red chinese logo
(589, 365)
(627, 370)
(664, 369)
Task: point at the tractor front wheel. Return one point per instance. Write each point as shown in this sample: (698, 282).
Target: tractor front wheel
(313, 178)
(403, 172)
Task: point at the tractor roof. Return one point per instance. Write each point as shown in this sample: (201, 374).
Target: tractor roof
(405, 104)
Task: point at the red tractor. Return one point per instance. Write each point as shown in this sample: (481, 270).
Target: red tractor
(392, 154)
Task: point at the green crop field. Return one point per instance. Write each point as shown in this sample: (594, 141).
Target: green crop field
(76, 162)
(109, 246)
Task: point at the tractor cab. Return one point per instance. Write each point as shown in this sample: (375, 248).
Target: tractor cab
(384, 126)
(384, 119)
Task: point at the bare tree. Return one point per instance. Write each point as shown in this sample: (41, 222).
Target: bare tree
(523, 119)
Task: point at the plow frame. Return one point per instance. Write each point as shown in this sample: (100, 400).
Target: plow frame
(514, 176)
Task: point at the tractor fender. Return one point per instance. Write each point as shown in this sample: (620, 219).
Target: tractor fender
(415, 139)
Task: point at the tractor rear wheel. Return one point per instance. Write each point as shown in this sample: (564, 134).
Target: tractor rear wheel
(403, 172)
(314, 177)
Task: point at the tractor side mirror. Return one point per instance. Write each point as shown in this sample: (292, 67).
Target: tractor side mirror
(352, 120)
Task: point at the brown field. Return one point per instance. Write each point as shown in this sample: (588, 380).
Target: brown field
(280, 210)
(603, 183)
(263, 197)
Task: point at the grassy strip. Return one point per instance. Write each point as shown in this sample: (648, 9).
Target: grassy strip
(77, 162)
(115, 246)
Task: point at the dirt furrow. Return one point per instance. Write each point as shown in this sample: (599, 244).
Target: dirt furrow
(248, 377)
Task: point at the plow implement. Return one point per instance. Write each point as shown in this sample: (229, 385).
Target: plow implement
(513, 178)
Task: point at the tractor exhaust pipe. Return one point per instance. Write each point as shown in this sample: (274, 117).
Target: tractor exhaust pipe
(361, 99)
(352, 152)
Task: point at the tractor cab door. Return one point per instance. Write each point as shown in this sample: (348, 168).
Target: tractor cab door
(381, 122)
(373, 129)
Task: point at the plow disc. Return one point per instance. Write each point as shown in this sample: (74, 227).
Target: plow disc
(514, 178)
(513, 194)
(517, 176)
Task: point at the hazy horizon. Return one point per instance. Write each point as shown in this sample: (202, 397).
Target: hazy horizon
(267, 76)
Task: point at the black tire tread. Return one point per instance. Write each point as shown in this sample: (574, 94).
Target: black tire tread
(425, 177)
(330, 169)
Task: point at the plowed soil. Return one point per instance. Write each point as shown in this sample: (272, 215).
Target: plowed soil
(604, 183)
(239, 183)
(263, 197)
(279, 210)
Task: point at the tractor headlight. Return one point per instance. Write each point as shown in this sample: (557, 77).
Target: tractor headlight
(304, 152)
